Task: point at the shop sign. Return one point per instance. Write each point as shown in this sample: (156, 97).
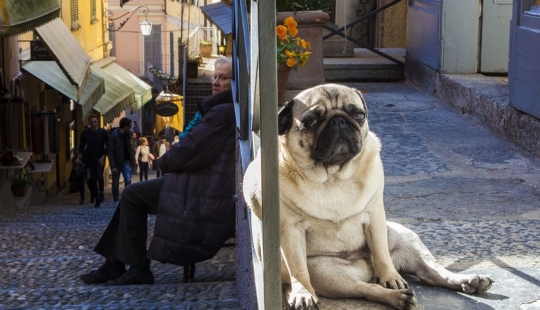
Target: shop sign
(166, 108)
(38, 51)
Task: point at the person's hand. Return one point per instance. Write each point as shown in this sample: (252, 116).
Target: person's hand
(136, 162)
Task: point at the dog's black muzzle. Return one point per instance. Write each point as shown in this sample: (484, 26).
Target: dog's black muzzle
(337, 143)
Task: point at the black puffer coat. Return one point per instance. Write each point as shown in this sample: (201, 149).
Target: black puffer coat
(196, 212)
(118, 146)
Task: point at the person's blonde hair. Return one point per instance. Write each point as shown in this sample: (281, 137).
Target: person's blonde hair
(141, 140)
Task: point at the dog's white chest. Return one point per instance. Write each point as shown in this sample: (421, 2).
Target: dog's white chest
(327, 238)
(334, 201)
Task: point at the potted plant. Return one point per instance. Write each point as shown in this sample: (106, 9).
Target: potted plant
(292, 53)
(303, 5)
(21, 179)
(205, 48)
(192, 66)
(310, 16)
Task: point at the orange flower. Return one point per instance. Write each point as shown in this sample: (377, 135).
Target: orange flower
(281, 32)
(304, 58)
(290, 23)
(291, 50)
(304, 44)
(293, 32)
(291, 62)
(290, 54)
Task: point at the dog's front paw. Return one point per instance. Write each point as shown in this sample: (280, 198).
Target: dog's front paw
(476, 284)
(303, 300)
(393, 281)
(406, 299)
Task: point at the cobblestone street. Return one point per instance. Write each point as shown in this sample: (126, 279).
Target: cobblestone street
(45, 248)
(472, 197)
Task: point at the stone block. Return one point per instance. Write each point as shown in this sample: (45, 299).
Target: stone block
(338, 47)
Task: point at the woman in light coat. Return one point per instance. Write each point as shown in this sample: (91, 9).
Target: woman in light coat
(143, 158)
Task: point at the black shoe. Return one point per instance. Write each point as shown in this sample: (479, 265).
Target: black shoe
(96, 205)
(101, 197)
(134, 276)
(81, 202)
(103, 274)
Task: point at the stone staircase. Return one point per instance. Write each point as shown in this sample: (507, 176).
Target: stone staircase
(364, 66)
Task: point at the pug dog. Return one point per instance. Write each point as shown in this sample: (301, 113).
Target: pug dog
(335, 240)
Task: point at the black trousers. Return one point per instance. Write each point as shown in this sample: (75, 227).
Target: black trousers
(95, 181)
(143, 174)
(125, 237)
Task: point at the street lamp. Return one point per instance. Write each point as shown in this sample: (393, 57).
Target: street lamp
(146, 26)
(221, 50)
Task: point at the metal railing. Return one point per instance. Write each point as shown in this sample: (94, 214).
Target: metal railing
(255, 93)
(341, 31)
(255, 90)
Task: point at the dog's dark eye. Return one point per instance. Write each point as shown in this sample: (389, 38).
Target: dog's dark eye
(310, 122)
(360, 116)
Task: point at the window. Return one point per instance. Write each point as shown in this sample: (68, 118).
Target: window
(112, 40)
(532, 9)
(93, 15)
(75, 15)
(529, 15)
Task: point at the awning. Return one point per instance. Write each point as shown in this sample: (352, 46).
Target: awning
(20, 16)
(220, 14)
(143, 91)
(50, 73)
(117, 97)
(71, 57)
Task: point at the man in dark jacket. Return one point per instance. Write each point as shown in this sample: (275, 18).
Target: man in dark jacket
(194, 203)
(159, 148)
(92, 147)
(121, 157)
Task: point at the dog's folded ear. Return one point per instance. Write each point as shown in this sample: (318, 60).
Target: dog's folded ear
(359, 93)
(285, 118)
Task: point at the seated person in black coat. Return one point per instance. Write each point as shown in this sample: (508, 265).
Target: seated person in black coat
(194, 203)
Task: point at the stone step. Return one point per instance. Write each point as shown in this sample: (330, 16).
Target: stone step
(365, 66)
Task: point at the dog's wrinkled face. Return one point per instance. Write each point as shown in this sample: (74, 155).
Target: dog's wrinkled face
(324, 125)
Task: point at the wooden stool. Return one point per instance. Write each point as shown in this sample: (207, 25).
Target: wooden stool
(189, 273)
(189, 270)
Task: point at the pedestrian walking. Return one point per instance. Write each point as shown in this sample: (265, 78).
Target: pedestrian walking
(134, 144)
(159, 149)
(77, 176)
(135, 128)
(121, 157)
(93, 149)
(195, 201)
(142, 158)
(169, 132)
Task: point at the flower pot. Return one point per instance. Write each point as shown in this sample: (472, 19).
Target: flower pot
(282, 76)
(19, 191)
(192, 69)
(310, 28)
(205, 50)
